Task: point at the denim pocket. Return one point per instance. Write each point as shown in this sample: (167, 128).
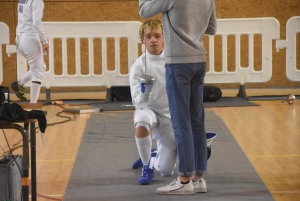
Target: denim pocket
(201, 72)
(183, 73)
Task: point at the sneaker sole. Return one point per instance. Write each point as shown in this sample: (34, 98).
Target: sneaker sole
(145, 183)
(201, 190)
(14, 87)
(176, 192)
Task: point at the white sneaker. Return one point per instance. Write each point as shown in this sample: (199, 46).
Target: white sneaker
(177, 188)
(200, 186)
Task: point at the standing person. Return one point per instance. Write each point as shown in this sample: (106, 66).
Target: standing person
(184, 23)
(32, 43)
(152, 117)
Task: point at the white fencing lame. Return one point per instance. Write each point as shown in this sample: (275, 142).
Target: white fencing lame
(4, 39)
(292, 28)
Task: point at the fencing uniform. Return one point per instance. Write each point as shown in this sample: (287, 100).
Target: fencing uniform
(30, 34)
(152, 111)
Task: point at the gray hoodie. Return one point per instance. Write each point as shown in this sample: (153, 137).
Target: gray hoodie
(184, 24)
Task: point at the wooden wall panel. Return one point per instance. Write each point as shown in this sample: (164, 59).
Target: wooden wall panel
(123, 10)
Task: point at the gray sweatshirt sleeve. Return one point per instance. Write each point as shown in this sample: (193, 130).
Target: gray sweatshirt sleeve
(37, 16)
(212, 25)
(148, 8)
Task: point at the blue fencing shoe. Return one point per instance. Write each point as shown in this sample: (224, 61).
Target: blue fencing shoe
(139, 164)
(209, 139)
(147, 175)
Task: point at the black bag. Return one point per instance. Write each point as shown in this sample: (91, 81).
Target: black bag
(12, 112)
(211, 93)
(121, 93)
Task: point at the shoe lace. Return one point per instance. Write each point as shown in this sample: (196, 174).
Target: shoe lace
(20, 88)
(145, 170)
(174, 182)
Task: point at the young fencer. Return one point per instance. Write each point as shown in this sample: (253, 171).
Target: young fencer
(152, 117)
(32, 43)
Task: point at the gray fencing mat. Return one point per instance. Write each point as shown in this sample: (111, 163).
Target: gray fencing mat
(102, 170)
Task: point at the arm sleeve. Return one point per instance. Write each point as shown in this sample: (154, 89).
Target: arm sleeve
(139, 100)
(148, 8)
(212, 25)
(37, 15)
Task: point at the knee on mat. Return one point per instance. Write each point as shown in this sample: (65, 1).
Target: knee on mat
(166, 172)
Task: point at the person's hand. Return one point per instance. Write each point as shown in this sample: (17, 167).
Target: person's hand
(46, 48)
(146, 88)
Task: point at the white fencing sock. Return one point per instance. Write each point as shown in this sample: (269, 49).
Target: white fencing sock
(144, 146)
(26, 78)
(34, 91)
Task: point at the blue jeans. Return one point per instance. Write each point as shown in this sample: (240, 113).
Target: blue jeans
(184, 85)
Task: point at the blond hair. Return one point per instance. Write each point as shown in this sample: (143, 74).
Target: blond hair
(152, 23)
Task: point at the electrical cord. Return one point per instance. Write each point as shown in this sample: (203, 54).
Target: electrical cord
(59, 115)
(4, 152)
(16, 147)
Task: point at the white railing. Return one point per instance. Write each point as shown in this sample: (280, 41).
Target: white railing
(90, 31)
(267, 27)
(4, 39)
(292, 28)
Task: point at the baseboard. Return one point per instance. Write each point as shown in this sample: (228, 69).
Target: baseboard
(262, 92)
(101, 95)
(76, 95)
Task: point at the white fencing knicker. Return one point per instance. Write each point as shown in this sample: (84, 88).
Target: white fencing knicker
(29, 45)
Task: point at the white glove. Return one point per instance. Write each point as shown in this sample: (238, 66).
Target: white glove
(146, 88)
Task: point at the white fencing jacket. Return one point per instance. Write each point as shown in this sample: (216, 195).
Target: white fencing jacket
(30, 15)
(157, 100)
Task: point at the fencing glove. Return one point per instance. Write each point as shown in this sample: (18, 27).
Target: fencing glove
(146, 88)
(146, 83)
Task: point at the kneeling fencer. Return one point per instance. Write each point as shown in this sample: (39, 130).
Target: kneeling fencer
(152, 116)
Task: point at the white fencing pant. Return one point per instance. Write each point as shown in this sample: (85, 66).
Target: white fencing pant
(29, 45)
(164, 136)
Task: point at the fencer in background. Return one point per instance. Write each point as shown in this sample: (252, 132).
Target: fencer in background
(152, 117)
(32, 43)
